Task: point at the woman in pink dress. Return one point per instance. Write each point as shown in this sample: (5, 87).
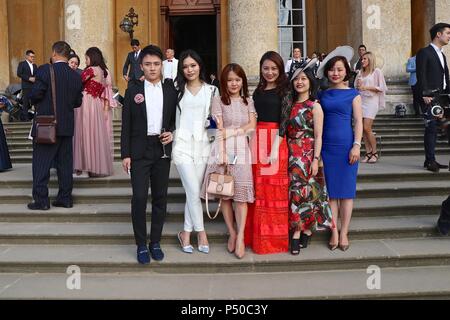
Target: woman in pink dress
(235, 115)
(93, 137)
(372, 88)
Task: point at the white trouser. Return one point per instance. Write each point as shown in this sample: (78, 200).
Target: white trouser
(189, 157)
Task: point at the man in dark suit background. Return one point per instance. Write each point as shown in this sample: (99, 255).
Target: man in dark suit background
(432, 73)
(26, 71)
(148, 110)
(68, 96)
(132, 72)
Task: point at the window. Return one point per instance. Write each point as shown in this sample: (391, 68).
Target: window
(291, 27)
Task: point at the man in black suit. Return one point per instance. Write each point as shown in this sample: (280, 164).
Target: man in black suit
(148, 110)
(26, 71)
(132, 72)
(432, 73)
(214, 80)
(68, 96)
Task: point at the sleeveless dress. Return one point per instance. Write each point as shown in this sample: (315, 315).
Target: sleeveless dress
(338, 137)
(308, 196)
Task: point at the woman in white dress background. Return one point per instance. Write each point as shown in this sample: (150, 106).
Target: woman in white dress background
(372, 87)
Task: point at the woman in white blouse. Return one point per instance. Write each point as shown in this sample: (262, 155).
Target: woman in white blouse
(372, 86)
(191, 143)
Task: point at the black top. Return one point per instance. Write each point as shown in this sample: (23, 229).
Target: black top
(268, 105)
(134, 120)
(430, 74)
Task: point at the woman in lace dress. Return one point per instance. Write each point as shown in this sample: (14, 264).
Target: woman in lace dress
(235, 115)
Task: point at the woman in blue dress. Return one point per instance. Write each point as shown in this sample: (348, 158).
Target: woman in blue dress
(5, 161)
(341, 145)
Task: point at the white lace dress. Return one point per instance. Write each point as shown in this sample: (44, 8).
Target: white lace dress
(235, 115)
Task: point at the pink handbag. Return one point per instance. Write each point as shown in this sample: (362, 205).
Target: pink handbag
(221, 186)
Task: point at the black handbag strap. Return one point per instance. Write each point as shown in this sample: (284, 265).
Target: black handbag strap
(53, 84)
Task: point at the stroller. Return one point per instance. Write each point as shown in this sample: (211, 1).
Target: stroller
(12, 99)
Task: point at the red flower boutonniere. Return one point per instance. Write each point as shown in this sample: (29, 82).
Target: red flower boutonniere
(139, 98)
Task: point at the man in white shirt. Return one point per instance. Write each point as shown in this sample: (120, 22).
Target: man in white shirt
(170, 65)
(296, 59)
(148, 120)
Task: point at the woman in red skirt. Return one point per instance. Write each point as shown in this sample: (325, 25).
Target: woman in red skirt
(267, 227)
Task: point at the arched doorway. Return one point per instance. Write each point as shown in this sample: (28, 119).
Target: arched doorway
(193, 24)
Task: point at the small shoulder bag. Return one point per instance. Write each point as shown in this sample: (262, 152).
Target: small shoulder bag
(220, 186)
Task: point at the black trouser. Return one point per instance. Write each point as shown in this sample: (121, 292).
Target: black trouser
(155, 171)
(43, 157)
(431, 129)
(416, 99)
(25, 104)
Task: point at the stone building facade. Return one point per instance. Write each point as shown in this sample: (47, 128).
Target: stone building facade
(221, 30)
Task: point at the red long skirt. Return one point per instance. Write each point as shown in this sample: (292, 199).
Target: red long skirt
(267, 225)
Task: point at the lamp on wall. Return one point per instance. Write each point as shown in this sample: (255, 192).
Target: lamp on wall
(128, 22)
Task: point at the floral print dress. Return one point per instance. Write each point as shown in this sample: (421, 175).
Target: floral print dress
(309, 208)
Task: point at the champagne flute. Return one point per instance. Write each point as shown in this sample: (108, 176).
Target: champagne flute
(165, 156)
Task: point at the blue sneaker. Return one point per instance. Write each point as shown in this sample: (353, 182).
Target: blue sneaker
(156, 252)
(143, 256)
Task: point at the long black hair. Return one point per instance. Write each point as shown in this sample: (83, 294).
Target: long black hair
(180, 79)
(96, 58)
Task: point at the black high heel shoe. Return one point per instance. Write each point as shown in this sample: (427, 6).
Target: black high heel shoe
(304, 240)
(295, 246)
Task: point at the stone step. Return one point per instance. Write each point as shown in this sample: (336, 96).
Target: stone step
(101, 258)
(412, 151)
(120, 212)
(177, 194)
(430, 282)
(19, 143)
(122, 232)
(27, 147)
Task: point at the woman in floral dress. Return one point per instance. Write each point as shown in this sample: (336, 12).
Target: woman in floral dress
(302, 124)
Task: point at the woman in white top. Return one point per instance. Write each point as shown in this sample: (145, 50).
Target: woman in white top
(191, 143)
(372, 87)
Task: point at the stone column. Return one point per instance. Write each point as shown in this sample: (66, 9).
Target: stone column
(4, 48)
(253, 30)
(90, 23)
(386, 31)
(442, 14)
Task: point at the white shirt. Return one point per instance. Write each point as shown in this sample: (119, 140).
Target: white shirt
(190, 122)
(30, 65)
(441, 58)
(136, 54)
(154, 107)
(170, 69)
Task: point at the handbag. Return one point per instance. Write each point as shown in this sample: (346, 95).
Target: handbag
(221, 186)
(46, 125)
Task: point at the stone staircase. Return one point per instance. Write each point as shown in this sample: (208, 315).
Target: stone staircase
(393, 227)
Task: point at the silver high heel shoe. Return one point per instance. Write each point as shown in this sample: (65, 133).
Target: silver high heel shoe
(186, 249)
(202, 248)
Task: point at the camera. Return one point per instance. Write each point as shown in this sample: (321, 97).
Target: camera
(437, 108)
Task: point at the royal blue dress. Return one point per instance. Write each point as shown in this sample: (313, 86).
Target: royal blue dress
(338, 138)
(5, 161)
